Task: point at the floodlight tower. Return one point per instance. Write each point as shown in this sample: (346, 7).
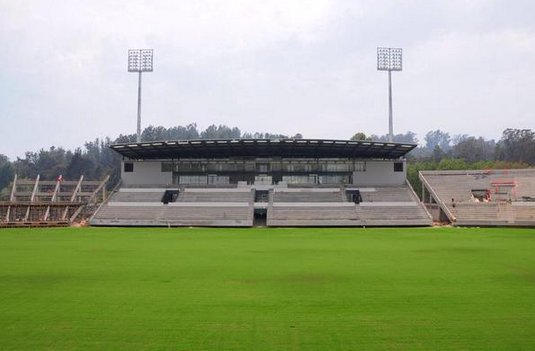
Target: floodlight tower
(139, 61)
(389, 59)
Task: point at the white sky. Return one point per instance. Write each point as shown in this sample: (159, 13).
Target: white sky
(286, 66)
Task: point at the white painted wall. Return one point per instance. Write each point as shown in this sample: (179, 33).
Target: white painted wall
(380, 172)
(146, 173)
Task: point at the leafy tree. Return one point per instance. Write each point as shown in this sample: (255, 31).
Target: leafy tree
(80, 165)
(220, 132)
(473, 149)
(183, 133)
(359, 136)
(517, 145)
(438, 154)
(437, 137)
(408, 137)
(6, 171)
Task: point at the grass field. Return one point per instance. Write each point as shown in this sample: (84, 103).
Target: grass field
(267, 289)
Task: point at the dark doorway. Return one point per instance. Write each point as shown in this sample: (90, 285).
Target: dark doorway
(169, 196)
(260, 217)
(354, 196)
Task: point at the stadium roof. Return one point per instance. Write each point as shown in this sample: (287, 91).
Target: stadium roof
(222, 148)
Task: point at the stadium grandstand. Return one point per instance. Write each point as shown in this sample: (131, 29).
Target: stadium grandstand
(60, 202)
(263, 182)
(481, 198)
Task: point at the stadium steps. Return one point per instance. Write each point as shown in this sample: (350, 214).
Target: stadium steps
(207, 214)
(307, 195)
(214, 195)
(201, 207)
(381, 206)
(458, 186)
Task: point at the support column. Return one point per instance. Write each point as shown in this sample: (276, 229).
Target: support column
(390, 118)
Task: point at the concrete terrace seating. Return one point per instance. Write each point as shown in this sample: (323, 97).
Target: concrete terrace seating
(312, 214)
(518, 210)
(381, 206)
(457, 186)
(524, 213)
(386, 194)
(196, 214)
(390, 214)
(481, 214)
(138, 195)
(347, 214)
(214, 195)
(194, 207)
(308, 195)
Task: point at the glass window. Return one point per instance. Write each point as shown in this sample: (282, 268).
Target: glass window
(360, 166)
(128, 167)
(398, 166)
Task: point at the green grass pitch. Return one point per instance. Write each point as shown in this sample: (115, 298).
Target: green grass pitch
(267, 289)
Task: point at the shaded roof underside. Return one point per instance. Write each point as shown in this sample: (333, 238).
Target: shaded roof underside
(223, 148)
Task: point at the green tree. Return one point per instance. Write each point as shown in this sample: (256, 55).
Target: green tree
(472, 149)
(437, 137)
(359, 136)
(517, 145)
(6, 171)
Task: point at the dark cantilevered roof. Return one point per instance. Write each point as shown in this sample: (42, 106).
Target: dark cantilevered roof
(223, 148)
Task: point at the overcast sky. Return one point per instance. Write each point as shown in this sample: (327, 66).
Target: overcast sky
(286, 66)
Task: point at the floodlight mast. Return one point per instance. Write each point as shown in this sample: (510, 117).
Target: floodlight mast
(139, 61)
(389, 59)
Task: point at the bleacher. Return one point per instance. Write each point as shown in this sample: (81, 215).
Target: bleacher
(138, 195)
(198, 207)
(312, 214)
(380, 206)
(214, 195)
(308, 195)
(393, 214)
(510, 201)
(147, 214)
(386, 194)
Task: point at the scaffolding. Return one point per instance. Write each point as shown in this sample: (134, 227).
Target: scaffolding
(48, 203)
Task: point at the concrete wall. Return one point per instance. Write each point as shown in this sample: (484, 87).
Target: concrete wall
(146, 173)
(379, 172)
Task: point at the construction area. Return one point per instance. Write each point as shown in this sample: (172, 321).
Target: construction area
(480, 198)
(38, 203)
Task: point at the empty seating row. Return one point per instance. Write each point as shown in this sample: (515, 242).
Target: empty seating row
(285, 207)
(129, 196)
(401, 215)
(353, 215)
(387, 194)
(213, 196)
(308, 195)
(174, 215)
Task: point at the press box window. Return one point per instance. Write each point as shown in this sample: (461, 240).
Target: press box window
(398, 167)
(128, 167)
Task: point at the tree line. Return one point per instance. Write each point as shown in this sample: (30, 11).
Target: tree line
(438, 151)
(95, 160)
(441, 151)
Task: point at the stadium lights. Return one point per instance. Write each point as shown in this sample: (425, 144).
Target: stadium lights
(389, 59)
(139, 61)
